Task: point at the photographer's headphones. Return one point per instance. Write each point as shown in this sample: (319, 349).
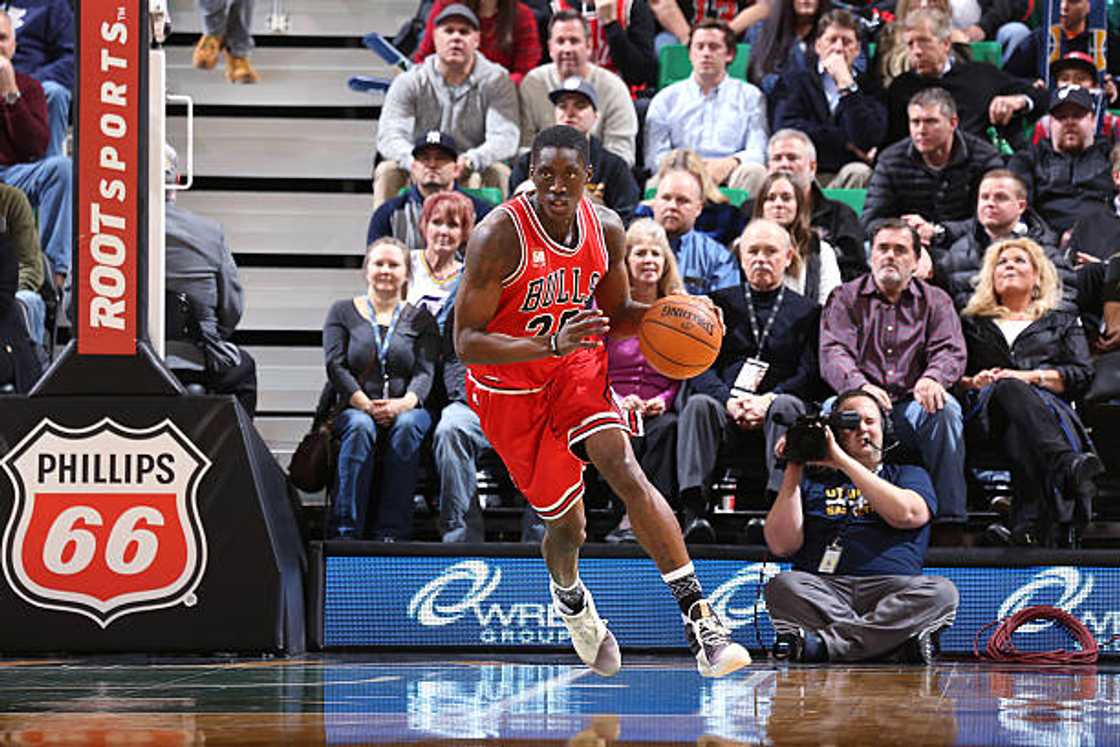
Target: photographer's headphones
(886, 424)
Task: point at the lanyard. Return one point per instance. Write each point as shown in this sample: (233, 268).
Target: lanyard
(383, 345)
(761, 338)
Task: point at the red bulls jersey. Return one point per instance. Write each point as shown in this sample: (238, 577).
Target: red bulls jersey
(550, 284)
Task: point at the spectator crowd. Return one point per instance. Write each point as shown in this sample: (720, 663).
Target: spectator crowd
(965, 293)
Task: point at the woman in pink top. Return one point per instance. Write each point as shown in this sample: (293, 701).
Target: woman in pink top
(509, 34)
(653, 275)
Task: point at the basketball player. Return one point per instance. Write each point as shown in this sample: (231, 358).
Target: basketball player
(537, 377)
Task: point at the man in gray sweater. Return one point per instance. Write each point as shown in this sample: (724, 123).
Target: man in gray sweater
(457, 91)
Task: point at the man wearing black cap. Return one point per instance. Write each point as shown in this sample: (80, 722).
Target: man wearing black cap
(1069, 174)
(435, 168)
(1078, 69)
(456, 91)
(576, 104)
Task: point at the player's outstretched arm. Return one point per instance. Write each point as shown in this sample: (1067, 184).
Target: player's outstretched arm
(493, 252)
(613, 292)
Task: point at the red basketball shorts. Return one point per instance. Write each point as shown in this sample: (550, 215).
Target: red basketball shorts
(537, 432)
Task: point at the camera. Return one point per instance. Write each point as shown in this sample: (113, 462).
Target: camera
(806, 440)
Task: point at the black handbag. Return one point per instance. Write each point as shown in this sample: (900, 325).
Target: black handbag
(1106, 378)
(313, 460)
(310, 468)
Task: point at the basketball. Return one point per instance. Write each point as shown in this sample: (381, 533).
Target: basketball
(680, 336)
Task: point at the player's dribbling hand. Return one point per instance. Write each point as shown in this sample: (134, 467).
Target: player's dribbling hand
(707, 301)
(584, 330)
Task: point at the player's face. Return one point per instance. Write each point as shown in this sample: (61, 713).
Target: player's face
(708, 52)
(678, 202)
(780, 203)
(1071, 128)
(999, 204)
(765, 254)
(386, 270)
(455, 41)
(1015, 273)
(790, 156)
(645, 262)
(559, 177)
(444, 233)
(925, 52)
(434, 170)
(865, 442)
(893, 258)
(569, 48)
(576, 111)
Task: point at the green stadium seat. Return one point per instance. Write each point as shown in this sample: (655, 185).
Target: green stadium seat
(493, 195)
(853, 198)
(735, 196)
(674, 65)
(987, 51)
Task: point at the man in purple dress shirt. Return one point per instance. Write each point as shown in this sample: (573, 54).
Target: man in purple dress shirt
(899, 339)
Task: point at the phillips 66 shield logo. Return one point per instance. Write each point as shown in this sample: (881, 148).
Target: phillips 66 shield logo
(105, 521)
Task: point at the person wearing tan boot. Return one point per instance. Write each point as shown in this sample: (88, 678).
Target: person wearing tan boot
(226, 25)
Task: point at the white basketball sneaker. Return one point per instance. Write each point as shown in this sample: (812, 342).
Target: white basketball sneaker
(594, 644)
(716, 654)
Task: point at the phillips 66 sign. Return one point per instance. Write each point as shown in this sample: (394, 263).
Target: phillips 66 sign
(105, 521)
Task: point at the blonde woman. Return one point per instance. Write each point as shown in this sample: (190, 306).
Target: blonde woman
(1028, 359)
(653, 274)
(381, 356)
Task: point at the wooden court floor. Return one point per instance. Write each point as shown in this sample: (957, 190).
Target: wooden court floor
(441, 699)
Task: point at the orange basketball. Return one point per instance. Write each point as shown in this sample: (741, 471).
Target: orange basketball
(680, 336)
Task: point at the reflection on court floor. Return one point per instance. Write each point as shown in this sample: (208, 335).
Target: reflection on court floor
(361, 700)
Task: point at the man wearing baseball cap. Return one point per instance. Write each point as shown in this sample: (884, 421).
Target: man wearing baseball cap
(456, 91)
(576, 104)
(1078, 69)
(435, 168)
(1069, 173)
(570, 51)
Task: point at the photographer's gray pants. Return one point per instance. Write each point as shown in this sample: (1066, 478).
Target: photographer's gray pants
(860, 618)
(703, 426)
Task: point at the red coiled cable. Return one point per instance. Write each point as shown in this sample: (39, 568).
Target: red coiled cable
(1001, 648)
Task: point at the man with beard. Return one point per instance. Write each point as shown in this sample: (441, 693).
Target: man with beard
(1070, 175)
(899, 339)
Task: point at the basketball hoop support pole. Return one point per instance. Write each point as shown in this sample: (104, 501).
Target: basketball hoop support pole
(111, 353)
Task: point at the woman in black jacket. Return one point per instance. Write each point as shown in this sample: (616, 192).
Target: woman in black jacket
(381, 357)
(19, 368)
(1027, 362)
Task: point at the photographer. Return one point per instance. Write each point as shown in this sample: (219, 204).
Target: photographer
(857, 537)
